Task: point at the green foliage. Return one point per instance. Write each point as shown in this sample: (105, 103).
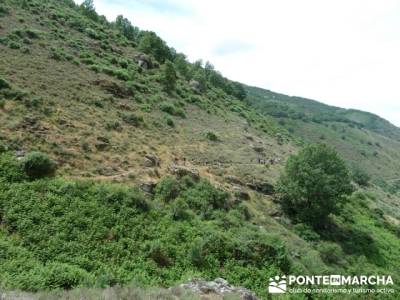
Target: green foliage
(212, 136)
(167, 189)
(171, 109)
(38, 165)
(10, 169)
(360, 177)
(150, 43)
(133, 119)
(314, 184)
(126, 28)
(73, 234)
(168, 78)
(306, 232)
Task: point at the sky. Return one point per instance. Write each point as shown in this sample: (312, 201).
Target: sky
(340, 52)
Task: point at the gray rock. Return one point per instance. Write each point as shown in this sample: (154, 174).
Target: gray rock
(218, 286)
(181, 171)
(195, 85)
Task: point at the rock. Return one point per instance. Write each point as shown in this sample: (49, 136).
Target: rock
(143, 61)
(242, 195)
(148, 186)
(233, 179)
(181, 171)
(195, 85)
(262, 187)
(19, 154)
(151, 160)
(102, 143)
(218, 286)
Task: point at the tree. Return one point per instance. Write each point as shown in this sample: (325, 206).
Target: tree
(89, 10)
(182, 64)
(314, 184)
(152, 44)
(126, 28)
(169, 76)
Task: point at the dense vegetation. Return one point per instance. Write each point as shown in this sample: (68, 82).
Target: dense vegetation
(64, 234)
(315, 183)
(107, 102)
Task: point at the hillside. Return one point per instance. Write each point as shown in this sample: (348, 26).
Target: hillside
(166, 170)
(358, 136)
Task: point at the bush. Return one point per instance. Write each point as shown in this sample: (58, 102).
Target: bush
(306, 232)
(38, 165)
(169, 77)
(133, 119)
(171, 109)
(313, 184)
(167, 189)
(330, 253)
(170, 122)
(10, 169)
(360, 177)
(212, 136)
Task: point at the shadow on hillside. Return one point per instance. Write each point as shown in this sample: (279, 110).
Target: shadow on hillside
(354, 241)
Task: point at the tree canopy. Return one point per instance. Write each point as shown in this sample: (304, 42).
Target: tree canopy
(313, 184)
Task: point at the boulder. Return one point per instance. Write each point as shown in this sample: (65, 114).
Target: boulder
(195, 86)
(220, 287)
(148, 186)
(143, 61)
(151, 160)
(102, 143)
(262, 187)
(182, 171)
(233, 179)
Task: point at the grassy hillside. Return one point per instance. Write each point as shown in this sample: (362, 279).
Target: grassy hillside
(164, 170)
(365, 140)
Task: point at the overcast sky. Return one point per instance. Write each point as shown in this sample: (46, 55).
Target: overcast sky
(340, 52)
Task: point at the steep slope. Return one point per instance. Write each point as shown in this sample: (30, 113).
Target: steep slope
(94, 96)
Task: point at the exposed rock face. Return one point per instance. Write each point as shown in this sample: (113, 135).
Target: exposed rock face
(151, 160)
(233, 179)
(102, 143)
(143, 61)
(195, 85)
(262, 187)
(148, 186)
(181, 171)
(218, 286)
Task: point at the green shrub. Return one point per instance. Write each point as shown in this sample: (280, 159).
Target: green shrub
(170, 122)
(65, 276)
(171, 109)
(167, 189)
(133, 119)
(360, 177)
(306, 232)
(4, 84)
(330, 253)
(10, 169)
(2, 103)
(38, 165)
(212, 136)
(180, 210)
(168, 77)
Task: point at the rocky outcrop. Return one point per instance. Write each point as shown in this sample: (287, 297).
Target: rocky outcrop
(143, 61)
(218, 286)
(151, 160)
(195, 85)
(262, 187)
(181, 171)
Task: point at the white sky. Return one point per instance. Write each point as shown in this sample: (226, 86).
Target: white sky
(340, 52)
